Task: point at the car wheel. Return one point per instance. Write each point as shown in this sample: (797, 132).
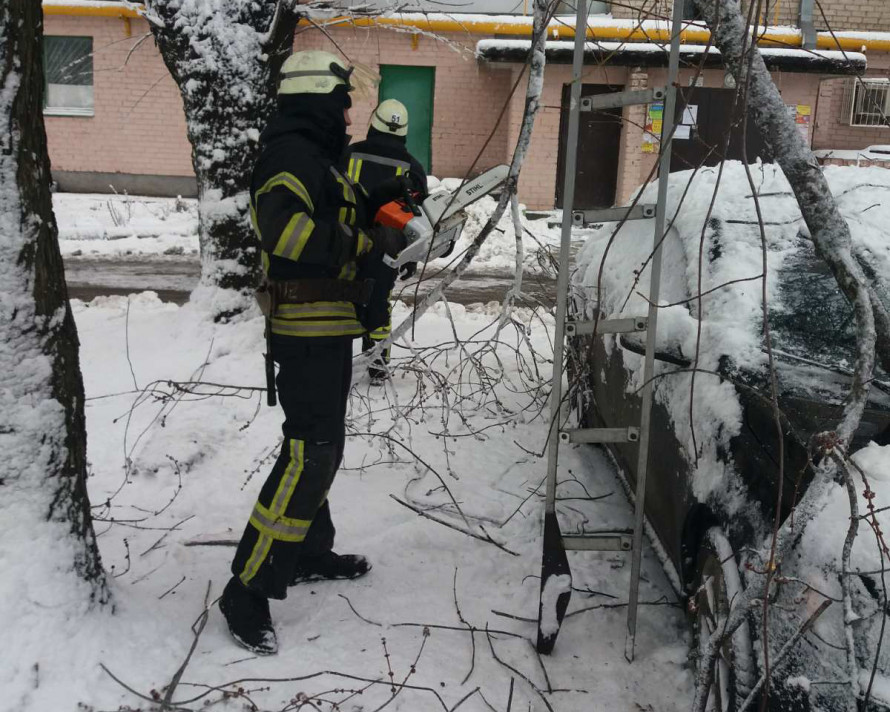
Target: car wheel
(717, 588)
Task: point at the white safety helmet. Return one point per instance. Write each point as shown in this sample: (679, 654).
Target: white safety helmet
(391, 117)
(313, 71)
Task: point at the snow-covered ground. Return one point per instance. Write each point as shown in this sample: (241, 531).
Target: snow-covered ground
(195, 465)
(93, 226)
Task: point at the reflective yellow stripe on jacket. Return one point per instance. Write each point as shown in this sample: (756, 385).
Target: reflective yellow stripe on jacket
(313, 319)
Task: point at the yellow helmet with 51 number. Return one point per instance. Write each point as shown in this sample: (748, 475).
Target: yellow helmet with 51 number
(391, 117)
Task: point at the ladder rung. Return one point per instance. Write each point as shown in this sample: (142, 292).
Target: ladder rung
(623, 325)
(640, 211)
(605, 541)
(621, 98)
(600, 435)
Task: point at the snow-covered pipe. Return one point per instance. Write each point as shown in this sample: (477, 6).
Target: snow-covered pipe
(599, 28)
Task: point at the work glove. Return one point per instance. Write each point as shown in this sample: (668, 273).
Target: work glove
(408, 271)
(350, 244)
(387, 191)
(388, 240)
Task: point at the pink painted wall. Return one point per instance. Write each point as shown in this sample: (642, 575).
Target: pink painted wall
(468, 95)
(139, 128)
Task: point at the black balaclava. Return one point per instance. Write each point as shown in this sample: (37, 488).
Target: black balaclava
(377, 133)
(321, 115)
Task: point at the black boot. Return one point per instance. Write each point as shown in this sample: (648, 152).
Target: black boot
(378, 374)
(247, 614)
(330, 566)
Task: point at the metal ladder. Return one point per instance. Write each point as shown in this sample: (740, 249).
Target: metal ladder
(555, 571)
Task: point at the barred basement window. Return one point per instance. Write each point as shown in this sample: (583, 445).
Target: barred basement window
(68, 73)
(870, 102)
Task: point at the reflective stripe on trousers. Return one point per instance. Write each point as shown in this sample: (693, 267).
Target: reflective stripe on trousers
(271, 523)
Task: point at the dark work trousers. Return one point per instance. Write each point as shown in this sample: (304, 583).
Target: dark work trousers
(292, 517)
(377, 368)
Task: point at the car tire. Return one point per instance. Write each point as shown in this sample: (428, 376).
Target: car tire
(717, 585)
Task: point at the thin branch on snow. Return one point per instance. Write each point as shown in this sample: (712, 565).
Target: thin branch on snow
(474, 535)
(512, 669)
(197, 629)
(359, 615)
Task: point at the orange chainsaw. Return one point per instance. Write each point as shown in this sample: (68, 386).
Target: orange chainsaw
(432, 227)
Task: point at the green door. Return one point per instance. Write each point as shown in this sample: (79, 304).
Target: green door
(414, 87)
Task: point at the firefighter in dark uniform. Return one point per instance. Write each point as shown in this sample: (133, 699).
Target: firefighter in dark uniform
(316, 252)
(374, 163)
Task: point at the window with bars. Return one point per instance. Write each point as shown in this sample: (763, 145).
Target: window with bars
(870, 102)
(68, 73)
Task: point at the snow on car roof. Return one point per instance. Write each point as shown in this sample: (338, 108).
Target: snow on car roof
(731, 326)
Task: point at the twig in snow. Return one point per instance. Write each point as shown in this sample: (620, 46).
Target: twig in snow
(197, 629)
(172, 589)
(388, 665)
(515, 671)
(358, 615)
(127, 344)
(459, 629)
(543, 667)
(469, 628)
(213, 542)
(209, 689)
(474, 535)
(463, 699)
(127, 555)
(138, 694)
(411, 670)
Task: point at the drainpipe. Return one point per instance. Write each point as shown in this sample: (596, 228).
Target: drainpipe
(807, 28)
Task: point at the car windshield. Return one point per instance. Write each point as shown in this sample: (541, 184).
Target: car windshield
(812, 319)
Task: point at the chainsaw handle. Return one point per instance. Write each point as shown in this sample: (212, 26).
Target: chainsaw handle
(408, 196)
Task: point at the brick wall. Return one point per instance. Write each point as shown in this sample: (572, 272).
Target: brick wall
(833, 128)
(859, 162)
(642, 9)
(854, 15)
(468, 95)
(138, 126)
(841, 14)
(631, 159)
(774, 12)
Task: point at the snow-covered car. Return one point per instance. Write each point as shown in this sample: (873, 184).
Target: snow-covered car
(714, 475)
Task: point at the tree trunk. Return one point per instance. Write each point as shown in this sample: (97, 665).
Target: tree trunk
(225, 58)
(42, 428)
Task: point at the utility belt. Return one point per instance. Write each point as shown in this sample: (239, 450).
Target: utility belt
(301, 291)
(273, 292)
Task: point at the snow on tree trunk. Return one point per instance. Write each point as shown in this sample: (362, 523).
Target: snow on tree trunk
(225, 56)
(47, 533)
